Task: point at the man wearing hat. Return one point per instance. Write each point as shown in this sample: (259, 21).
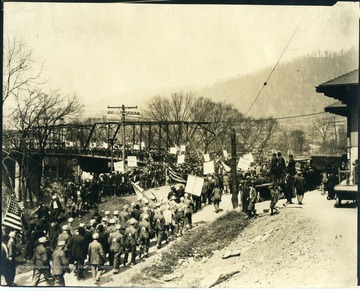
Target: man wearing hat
(245, 194)
(111, 226)
(55, 206)
(274, 167)
(12, 253)
(96, 258)
(78, 252)
(299, 184)
(42, 263)
(116, 246)
(130, 241)
(60, 264)
(65, 235)
(116, 217)
(124, 216)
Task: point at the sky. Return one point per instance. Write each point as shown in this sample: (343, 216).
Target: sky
(118, 53)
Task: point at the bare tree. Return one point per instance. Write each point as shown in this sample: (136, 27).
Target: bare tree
(34, 119)
(323, 126)
(176, 107)
(18, 69)
(255, 134)
(222, 117)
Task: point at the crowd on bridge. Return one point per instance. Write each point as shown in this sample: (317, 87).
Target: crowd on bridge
(110, 241)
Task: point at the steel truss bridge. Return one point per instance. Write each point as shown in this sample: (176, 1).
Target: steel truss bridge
(105, 139)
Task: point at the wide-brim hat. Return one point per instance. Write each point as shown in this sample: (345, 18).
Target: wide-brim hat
(42, 239)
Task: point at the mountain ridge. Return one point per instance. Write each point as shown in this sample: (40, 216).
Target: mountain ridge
(290, 90)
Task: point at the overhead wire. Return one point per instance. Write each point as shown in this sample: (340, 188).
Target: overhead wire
(274, 68)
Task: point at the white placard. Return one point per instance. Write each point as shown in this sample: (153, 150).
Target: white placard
(142, 145)
(173, 150)
(136, 147)
(119, 167)
(206, 157)
(181, 159)
(249, 157)
(132, 161)
(209, 168)
(105, 145)
(86, 176)
(225, 153)
(243, 164)
(182, 148)
(194, 185)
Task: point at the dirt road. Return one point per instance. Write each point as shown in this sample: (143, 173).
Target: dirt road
(313, 245)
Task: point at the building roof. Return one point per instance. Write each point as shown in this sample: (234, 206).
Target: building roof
(344, 88)
(337, 108)
(346, 79)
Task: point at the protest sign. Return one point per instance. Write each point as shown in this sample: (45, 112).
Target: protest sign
(181, 159)
(119, 167)
(132, 161)
(194, 185)
(209, 168)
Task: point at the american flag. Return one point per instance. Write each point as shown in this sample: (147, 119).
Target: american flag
(13, 215)
(175, 176)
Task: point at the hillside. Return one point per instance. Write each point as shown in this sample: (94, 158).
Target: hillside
(291, 88)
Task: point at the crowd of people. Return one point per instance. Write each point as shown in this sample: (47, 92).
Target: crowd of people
(106, 242)
(111, 240)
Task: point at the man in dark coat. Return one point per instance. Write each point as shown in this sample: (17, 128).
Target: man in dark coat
(12, 252)
(60, 264)
(78, 252)
(280, 168)
(299, 184)
(42, 263)
(5, 260)
(289, 179)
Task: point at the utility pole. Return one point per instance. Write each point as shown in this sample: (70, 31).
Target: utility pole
(123, 113)
(234, 184)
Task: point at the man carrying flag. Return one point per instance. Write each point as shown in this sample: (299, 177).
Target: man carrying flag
(13, 221)
(141, 193)
(13, 215)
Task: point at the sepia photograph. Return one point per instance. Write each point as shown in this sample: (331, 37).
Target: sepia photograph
(165, 144)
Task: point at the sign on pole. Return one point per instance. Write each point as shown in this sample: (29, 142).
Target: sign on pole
(181, 159)
(225, 153)
(182, 148)
(136, 147)
(119, 167)
(209, 168)
(132, 161)
(249, 157)
(206, 157)
(194, 185)
(173, 150)
(243, 164)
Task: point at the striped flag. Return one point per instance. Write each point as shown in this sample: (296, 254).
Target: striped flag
(140, 192)
(13, 215)
(175, 176)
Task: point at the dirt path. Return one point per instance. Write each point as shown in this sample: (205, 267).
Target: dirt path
(310, 246)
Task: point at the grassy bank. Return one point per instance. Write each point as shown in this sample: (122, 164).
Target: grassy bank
(199, 243)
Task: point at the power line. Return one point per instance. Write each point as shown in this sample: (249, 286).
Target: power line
(272, 71)
(274, 118)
